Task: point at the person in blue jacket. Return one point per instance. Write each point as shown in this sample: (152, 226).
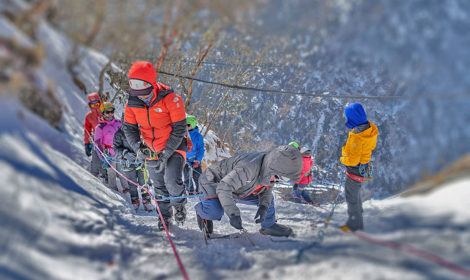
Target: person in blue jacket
(194, 155)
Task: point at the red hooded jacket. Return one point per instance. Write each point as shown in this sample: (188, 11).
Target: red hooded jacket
(162, 123)
(91, 119)
(306, 166)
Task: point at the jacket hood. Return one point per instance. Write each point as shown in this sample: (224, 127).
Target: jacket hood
(305, 151)
(93, 96)
(143, 70)
(370, 133)
(284, 161)
(355, 115)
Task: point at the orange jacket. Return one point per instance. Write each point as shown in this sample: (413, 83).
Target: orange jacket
(359, 147)
(164, 118)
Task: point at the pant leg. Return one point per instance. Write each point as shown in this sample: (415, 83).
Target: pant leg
(174, 179)
(297, 196)
(353, 199)
(112, 177)
(306, 196)
(187, 176)
(95, 163)
(124, 183)
(140, 176)
(158, 183)
(169, 182)
(270, 215)
(196, 174)
(132, 175)
(210, 209)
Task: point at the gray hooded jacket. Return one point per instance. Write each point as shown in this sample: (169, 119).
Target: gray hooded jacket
(238, 176)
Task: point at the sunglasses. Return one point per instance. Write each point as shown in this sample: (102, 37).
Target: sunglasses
(108, 112)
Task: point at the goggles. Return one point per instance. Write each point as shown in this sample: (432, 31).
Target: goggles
(139, 87)
(94, 104)
(108, 112)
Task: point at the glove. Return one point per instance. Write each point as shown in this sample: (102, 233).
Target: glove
(261, 213)
(160, 163)
(236, 221)
(295, 186)
(130, 157)
(88, 149)
(195, 164)
(143, 152)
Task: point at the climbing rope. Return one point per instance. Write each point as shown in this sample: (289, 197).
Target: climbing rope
(178, 259)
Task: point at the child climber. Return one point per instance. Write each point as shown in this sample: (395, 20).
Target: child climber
(299, 192)
(104, 137)
(356, 156)
(91, 121)
(194, 155)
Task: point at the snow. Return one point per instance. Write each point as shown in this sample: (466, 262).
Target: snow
(59, 222)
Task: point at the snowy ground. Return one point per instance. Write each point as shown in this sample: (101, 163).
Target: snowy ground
(59, 222)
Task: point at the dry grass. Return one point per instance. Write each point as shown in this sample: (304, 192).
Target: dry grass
(456, 170)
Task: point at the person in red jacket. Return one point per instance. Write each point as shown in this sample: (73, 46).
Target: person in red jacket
(155, 127)
(299, 192)
(91, 121)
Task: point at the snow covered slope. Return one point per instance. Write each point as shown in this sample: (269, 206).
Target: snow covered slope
(59, 222)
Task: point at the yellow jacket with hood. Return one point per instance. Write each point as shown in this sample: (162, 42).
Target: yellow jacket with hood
(360, 144)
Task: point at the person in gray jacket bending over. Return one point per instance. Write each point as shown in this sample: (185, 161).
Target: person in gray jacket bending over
(247, 178)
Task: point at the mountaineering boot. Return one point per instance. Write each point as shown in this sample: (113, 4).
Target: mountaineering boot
(180, 215)
(136, 203)
(147, 204)
(277, 230)
(167, 223)
(207, 224)
(347, 228)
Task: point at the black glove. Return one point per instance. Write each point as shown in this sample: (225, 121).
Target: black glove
(261, 214)
(160, 163)
(88, 149)
(295, 186)
(236, 222)
(130, 157)
(143, 152)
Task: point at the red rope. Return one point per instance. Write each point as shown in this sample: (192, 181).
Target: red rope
(180, 263)
(415, 251)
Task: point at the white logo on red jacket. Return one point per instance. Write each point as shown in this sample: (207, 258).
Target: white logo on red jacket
(158, 110)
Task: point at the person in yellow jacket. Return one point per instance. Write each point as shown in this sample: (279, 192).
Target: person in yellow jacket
(355, 155)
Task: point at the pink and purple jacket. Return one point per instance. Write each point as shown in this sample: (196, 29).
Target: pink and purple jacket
(104, 134)
(306, 165)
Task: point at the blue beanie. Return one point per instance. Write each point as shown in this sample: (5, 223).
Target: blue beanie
(355, 115)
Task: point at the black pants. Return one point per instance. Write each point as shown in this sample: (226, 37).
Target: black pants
(194, 174)
(353, 198)
(169, 182)
(135, 176)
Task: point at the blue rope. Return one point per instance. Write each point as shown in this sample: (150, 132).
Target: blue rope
(179, 197)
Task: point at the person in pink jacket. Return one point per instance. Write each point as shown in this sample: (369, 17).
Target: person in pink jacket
(299, 192)
(104, 137)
